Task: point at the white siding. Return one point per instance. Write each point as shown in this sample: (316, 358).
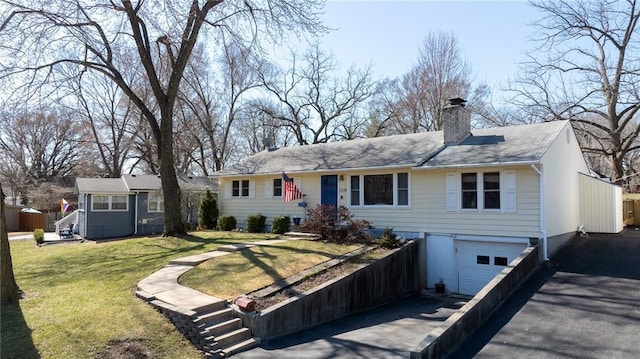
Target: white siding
(428, 205)
(261, 198)
(600, 205)
(561, 165)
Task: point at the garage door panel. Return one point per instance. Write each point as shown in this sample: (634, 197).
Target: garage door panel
(480, 262)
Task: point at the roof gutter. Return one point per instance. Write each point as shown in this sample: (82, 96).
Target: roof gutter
(543, 231)
(333, 171)
(478, 165)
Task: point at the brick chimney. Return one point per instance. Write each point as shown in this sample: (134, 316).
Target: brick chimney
(456, 122)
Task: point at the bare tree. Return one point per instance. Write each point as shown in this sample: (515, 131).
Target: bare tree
(111, 119)
(310, 100)
(212, 103)
(414, 102)
(586, 69)
(92, 35)
(9, 290)
(40, 147)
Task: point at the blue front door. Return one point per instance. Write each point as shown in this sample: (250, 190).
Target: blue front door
(329, 190)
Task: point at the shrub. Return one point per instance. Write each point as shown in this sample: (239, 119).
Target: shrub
(335, 225)
(255, 223)
(389, 239)
(281, 224)
(38, 236)
(208, 211)
(227, 223)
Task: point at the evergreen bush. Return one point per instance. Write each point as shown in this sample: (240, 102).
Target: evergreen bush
(38, 236)
(226, 223)
(389, 239)
(255, 223)
(208, 211)
(281, 224)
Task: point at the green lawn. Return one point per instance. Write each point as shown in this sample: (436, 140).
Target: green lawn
(80, 296)
(251, 269)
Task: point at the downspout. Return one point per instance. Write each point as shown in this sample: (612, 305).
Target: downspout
(86, 215)
(543, 231)
(135, 217)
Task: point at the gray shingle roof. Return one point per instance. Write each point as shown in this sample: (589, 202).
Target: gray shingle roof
(100, 185)
(501, 145)
(131, 183)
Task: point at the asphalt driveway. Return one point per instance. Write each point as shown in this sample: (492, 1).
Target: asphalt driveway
(585, 303)
(389, 331)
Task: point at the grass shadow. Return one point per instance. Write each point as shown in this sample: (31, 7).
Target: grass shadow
(15, 334)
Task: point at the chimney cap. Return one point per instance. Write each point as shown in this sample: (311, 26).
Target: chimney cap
(457, 101)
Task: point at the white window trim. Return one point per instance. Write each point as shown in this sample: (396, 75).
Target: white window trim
(508, 193)
(251, 192)
(158, 198)
(110, 203)
(269, 188)
(395, 191)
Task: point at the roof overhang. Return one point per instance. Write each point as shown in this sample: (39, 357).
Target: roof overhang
(478, 165)
(339, 170)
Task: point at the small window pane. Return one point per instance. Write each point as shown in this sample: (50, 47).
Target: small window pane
(277, 187)
(500, 261)
(119, 202)
(469, 190)
(355, 190)
(245, 188)
(236, 189)
(491, 183)
(100, 202)
(482, 259)
(403, 189)
(469, 181)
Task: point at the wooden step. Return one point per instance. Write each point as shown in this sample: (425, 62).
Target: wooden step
(222, 328)
(231, 338)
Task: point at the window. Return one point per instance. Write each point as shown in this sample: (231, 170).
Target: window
(488, 184)
(491, 186)
(277, 187)
(235, 192)
(155, 202)
(240, 188)
(100, 203)
(403, 189)
(355, 190)
(469, 190)
(482, 260)
(500, 261)
(482, 191)
(110, 203)
(380, 190)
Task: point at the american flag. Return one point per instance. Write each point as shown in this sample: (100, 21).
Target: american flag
(291, 192)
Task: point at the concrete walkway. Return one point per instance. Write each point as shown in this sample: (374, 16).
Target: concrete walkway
(163, 285)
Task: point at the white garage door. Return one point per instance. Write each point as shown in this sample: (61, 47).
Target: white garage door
(480, 262)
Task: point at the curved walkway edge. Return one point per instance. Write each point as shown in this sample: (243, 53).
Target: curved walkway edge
(203, 319)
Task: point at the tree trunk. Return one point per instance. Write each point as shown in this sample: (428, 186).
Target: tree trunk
(173, 223)
(9, 290)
